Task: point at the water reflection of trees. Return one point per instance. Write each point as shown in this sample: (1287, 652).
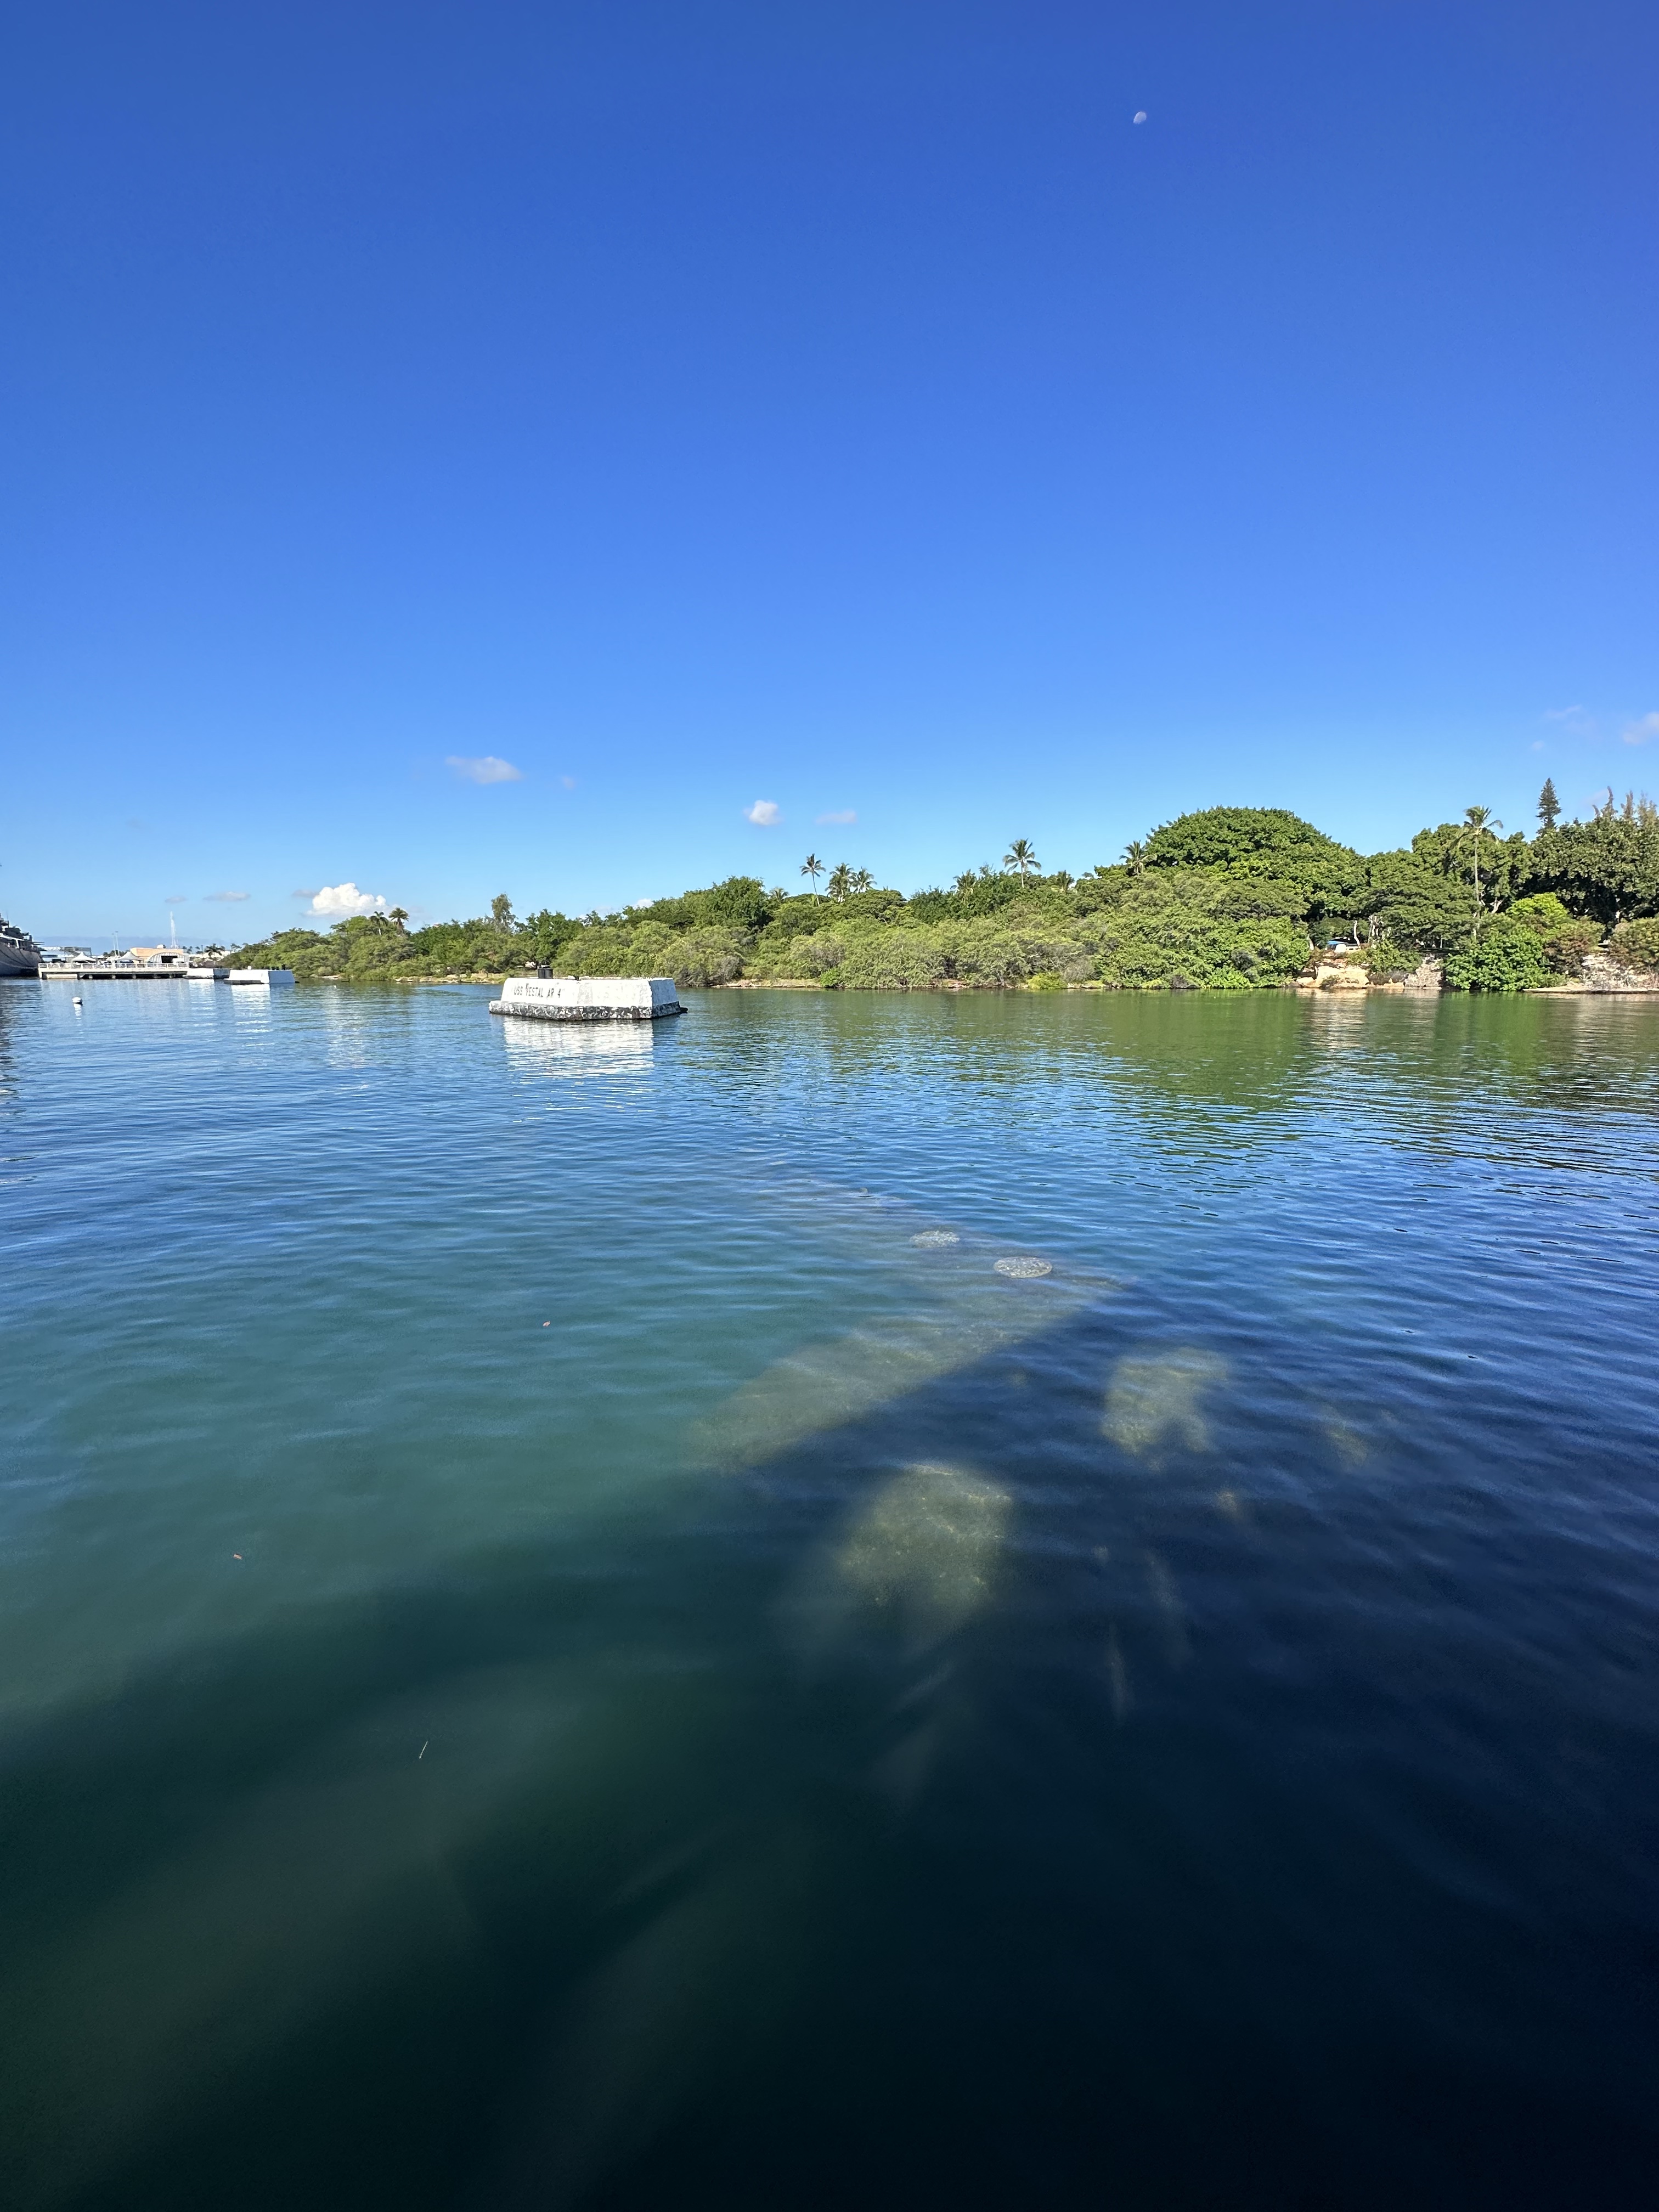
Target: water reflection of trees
(1377, 1061)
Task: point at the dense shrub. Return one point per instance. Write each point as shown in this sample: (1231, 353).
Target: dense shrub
(801, 959)
(1636, 943)
(892, 960)
(1509, 956)
(1541, 912)
(700, 957)
(1563, 937)
(1385, 958)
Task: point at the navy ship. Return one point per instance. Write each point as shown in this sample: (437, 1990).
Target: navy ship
(19, 953)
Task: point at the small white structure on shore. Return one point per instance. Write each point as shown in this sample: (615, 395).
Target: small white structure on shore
(589, 998)
(266, 978)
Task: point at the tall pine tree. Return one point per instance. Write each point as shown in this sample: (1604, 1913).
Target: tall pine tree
(1549, 806)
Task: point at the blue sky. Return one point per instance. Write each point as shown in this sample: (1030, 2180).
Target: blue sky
(847, 407)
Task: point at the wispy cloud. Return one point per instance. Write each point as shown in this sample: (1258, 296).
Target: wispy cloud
(841, 820)
(1578, 721)
(1642, 731)
(485, 769)
(765, 814)
(176, 898)
(233, 898)
(569, 781)
(345, 899)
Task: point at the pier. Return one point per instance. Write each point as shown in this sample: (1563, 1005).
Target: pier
(118, 970)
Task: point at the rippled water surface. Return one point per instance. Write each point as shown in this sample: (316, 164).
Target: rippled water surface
(569, 1637)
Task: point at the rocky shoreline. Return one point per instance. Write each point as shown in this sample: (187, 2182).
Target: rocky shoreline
(1602, 976)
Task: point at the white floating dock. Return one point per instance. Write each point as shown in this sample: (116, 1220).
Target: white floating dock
(588, 998)
(262, 978)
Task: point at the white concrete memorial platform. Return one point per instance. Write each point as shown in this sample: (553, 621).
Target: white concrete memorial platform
(589, 998)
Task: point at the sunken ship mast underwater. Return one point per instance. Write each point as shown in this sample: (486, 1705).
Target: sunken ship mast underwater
(19, 953)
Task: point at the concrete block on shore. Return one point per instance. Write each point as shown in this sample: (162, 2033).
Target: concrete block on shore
(588, 998)
(1606, 971)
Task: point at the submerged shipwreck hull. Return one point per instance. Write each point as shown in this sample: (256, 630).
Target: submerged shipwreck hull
(588, 998)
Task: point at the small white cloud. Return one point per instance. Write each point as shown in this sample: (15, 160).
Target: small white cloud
(841, 819)
(638, 904)
(486, 769)
(346, 898)
(235, 898)
(569, 781)
(176, 898)
(1538, 745)
(1578, 721)
(765, 814)
(1642, 731)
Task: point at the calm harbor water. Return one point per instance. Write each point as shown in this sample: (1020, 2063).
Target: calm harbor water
(568, 1637)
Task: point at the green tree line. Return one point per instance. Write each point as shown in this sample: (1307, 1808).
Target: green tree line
(1227, 898)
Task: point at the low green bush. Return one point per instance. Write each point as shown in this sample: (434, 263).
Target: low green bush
(892, 960)
(1636, 943)
(1509, 956)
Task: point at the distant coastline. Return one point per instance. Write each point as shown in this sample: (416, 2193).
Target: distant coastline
(1227, 898)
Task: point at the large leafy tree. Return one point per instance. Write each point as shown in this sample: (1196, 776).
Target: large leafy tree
(1328, 879)
(545, 933)
(1607, 868)
(1495, 869)
(1418, 903)
(738, 903)
(1259, 838)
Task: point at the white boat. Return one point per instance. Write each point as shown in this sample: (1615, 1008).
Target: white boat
(262, 978)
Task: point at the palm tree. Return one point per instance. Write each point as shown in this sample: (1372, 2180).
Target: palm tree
(1478, 822)
(841, 881)
(862, 880)
(1020, 857)
(1134, 854)
(397, 917)
(811, 866)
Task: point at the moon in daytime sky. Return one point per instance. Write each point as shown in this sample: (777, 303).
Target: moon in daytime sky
(1140, 115)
